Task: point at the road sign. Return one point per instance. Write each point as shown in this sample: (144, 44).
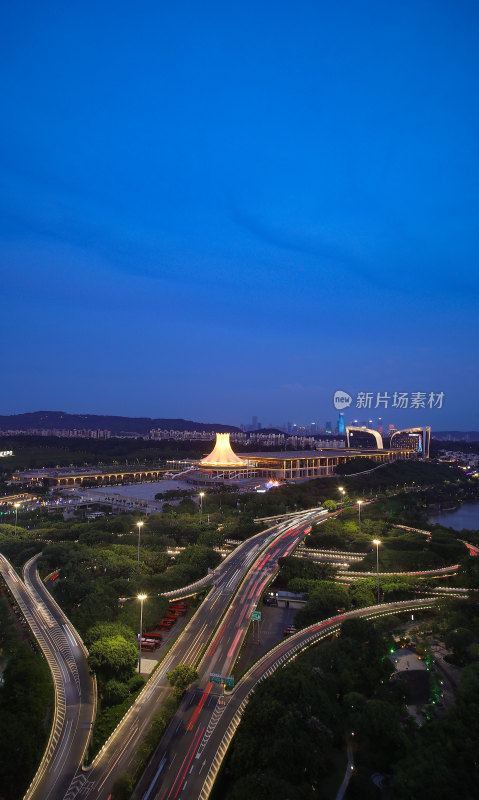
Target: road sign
(256, 616)
(216, 677)
(230, 680)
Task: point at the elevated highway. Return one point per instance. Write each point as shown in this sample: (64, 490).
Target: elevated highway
(75, 691)
(195, 744)
(201, 641)
(219, 658)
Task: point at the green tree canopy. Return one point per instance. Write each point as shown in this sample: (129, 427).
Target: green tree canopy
(324, 600)
(329, 505)
(104, 629)
(115, 692)
(113, 657)
(180, 677)
(123, 787)
(199, 556)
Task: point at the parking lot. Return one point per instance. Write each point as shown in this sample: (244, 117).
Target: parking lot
(150, 660)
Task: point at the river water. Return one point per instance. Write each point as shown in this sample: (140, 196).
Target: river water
(466, 516)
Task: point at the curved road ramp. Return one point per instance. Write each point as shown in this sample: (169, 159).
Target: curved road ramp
(75, 690)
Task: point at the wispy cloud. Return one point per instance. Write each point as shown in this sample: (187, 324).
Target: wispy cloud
(327, 255)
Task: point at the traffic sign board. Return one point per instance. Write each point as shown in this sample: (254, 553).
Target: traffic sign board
(216, 677)
(230, 680)
(256, 616)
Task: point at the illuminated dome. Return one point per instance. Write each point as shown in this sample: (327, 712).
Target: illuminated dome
(222, 455)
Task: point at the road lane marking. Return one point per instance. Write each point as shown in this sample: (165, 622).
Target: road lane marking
(127, 742)
(64, 744)
(180, 778)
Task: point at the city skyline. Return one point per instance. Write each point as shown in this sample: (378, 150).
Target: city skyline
(60, 421)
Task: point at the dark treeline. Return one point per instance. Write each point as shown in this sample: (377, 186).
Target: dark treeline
(291, 742)
(32, 452)
(291, 739)
(26, 708)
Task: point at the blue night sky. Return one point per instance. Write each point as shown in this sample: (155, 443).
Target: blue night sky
(213, 210)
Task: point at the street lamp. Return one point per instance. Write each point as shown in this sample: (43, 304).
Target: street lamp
(360, 502)
(140, 524)
(202, 494)
(141, 597)
(377, 543)
(342, 491)
(16, 507)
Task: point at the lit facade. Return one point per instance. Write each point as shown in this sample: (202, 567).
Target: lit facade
(364, 438)
(417, 439)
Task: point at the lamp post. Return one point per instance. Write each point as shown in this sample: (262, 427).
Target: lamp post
(360, 502)
(202, 494)
(342, 492)
(140, 524)
(141, 597)
(377, 543)
(16, 507)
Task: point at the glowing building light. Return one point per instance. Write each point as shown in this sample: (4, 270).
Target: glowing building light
(222, 454)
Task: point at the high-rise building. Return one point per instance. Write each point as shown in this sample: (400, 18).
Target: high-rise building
(329, 427)
(341, 425)
(380, 425)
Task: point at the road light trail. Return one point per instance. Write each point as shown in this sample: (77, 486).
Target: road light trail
(227, 577)
(188, 758)
(223, 651)
(200, 705)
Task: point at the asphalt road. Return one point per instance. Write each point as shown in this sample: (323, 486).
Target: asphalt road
(119, 753)
(210, 751)
(75, 695)
(178, 767)
(190, 754)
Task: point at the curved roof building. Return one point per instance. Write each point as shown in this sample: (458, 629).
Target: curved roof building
(365, 438)
(417, 439)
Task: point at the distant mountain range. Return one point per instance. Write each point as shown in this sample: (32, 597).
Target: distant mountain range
(60, 420)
